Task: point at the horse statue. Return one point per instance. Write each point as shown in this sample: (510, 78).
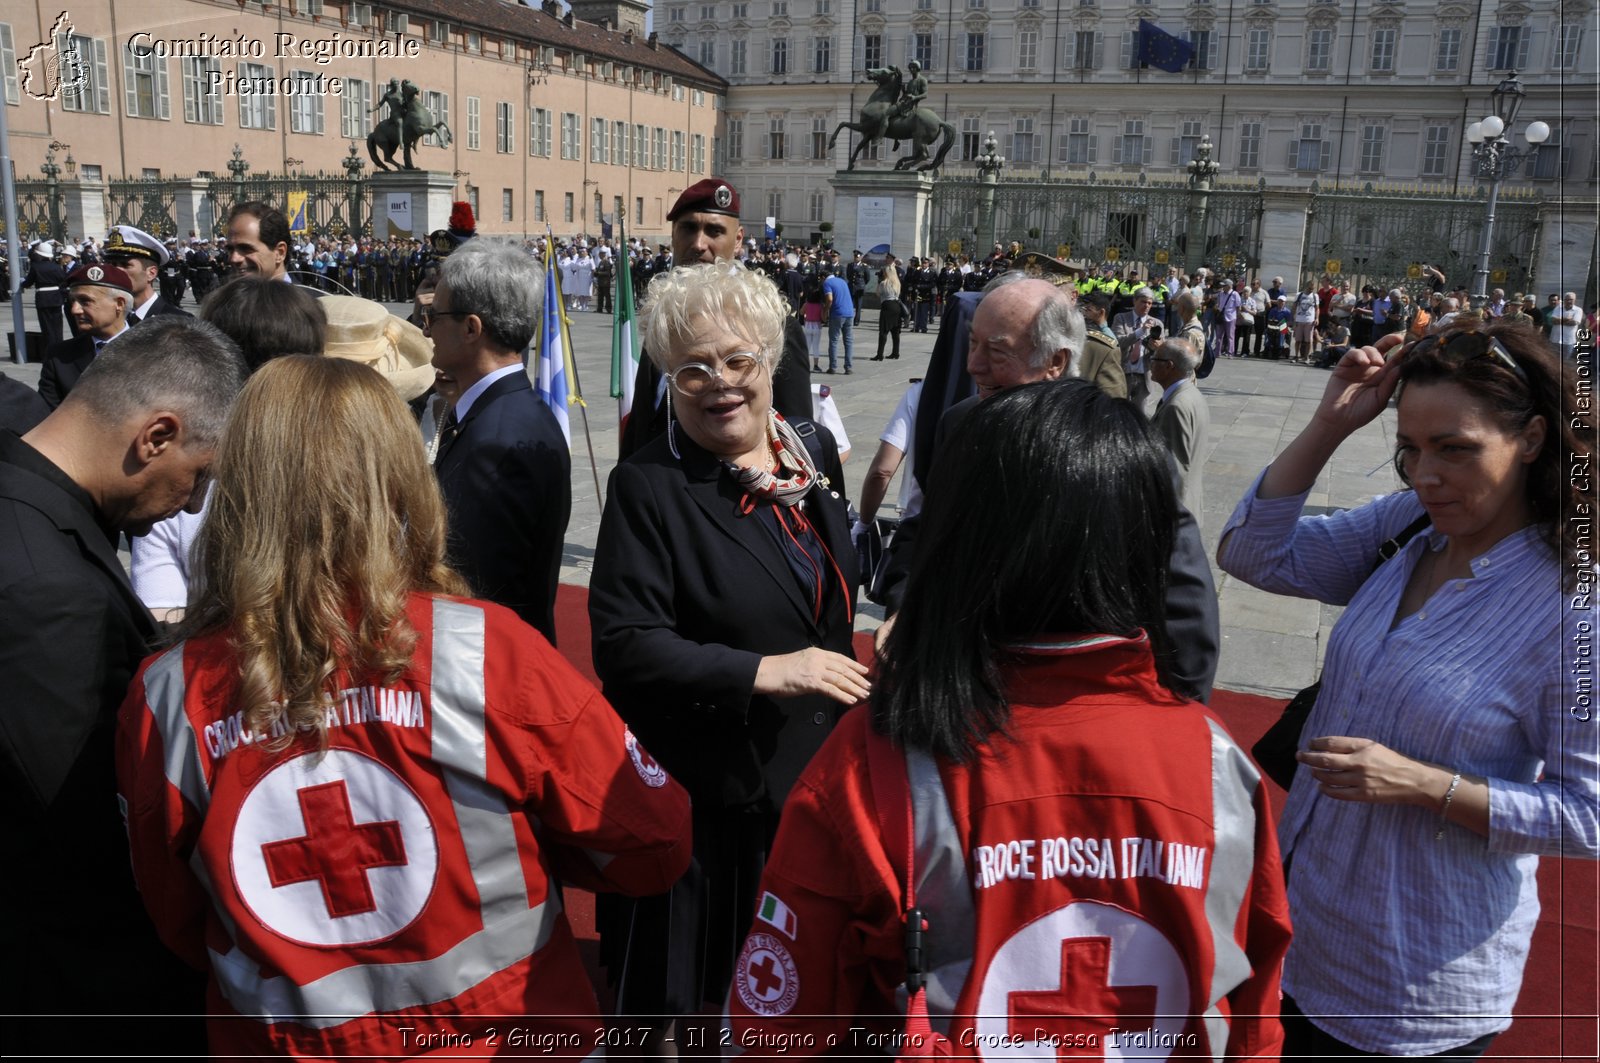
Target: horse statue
(408, 122)
(881, 120)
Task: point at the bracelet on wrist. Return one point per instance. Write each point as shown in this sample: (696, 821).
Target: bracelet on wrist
(1444, 809)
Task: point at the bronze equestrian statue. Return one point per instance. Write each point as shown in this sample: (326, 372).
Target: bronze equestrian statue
(408, 121)
(892, 113)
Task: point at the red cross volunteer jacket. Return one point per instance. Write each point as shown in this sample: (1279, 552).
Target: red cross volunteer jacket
(1102, 883)
(393, 894)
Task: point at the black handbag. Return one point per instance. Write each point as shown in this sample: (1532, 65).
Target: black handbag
(1274, 751)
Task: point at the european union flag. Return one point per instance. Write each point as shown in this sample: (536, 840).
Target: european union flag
(1162, 50)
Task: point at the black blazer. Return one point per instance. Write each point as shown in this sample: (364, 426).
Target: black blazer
(506, 476)
(687, 597)
(64, 363)
(21, 408)
(72, 634)
(161, 306)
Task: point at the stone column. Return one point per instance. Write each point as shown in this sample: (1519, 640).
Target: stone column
(887, 208)
(1566, 262)
(1285, 218)
(427, 193)
(83, 209)
(192, 208)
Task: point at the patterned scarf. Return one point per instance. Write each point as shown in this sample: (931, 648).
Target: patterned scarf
(795, 473)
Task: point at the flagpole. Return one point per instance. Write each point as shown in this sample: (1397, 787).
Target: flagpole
(572, 366)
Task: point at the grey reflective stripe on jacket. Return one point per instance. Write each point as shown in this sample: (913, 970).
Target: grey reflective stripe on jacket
(164, 691)
(944, 892)
(512, 930)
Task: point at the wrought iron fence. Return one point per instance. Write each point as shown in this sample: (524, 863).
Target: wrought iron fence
(334, 204)
(1386, 234)
(147, 203)
(1378, 234)
(1136, 221)
(34, 217)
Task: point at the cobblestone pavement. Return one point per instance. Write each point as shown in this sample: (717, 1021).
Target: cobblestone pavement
(1271, 645)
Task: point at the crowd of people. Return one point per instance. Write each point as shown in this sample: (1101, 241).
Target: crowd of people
(318, 771)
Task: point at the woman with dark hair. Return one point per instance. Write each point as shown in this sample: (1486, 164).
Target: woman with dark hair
(1444, 753)
(266, 318)
(348, 789)
(1093, 857)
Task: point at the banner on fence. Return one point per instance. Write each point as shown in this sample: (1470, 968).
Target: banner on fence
(297, 212)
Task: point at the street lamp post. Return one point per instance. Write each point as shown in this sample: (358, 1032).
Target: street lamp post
(990, 163)
(1202, 170)
(52, 178)
(1493, 159)
(352, 170)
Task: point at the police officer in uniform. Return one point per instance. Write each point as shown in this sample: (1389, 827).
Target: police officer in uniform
(857, 274)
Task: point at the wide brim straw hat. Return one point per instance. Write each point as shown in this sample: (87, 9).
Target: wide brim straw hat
(363, 331)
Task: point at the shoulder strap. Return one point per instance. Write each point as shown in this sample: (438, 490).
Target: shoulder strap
(1393, 546)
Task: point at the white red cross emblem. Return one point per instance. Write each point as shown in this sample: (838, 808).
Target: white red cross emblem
(766, 978)
(334, 849)
(1072, 976)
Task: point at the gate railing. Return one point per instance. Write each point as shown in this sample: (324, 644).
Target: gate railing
(1132, 221)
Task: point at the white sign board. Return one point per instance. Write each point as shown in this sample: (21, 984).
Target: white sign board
(398, 208)
(874, 223)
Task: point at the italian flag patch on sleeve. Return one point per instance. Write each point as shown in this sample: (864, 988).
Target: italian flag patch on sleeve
(774, 912)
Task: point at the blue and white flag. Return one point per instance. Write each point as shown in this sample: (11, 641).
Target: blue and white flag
(554, 344)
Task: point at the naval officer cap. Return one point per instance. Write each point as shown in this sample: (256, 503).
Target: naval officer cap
(128, 242)
(710, 196)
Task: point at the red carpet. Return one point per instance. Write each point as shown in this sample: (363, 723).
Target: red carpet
(1556, 1013)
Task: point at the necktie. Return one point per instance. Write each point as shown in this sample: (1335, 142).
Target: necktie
(133, 319)
(449, 428)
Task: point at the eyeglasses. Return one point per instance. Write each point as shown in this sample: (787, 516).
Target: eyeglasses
(429, 314)
(696, 378)
(1487, 346)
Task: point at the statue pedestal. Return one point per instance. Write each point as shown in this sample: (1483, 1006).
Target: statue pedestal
(887, 210)
(410, 202)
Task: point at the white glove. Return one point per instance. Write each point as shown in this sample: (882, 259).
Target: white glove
(857, 531)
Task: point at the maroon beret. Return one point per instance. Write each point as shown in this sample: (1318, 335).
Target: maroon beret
(101, 276)
(711, 196)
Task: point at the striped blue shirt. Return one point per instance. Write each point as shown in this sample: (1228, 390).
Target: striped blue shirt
(1404, 944)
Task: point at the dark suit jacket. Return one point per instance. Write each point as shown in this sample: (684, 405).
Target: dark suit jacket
(1193, 622)
(506, 476)
(64, 363)
(20, 406)
(687, 597)
(791, 392)
(72, 633)
(161, 306)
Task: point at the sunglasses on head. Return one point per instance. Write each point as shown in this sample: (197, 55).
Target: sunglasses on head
(1470, 345)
